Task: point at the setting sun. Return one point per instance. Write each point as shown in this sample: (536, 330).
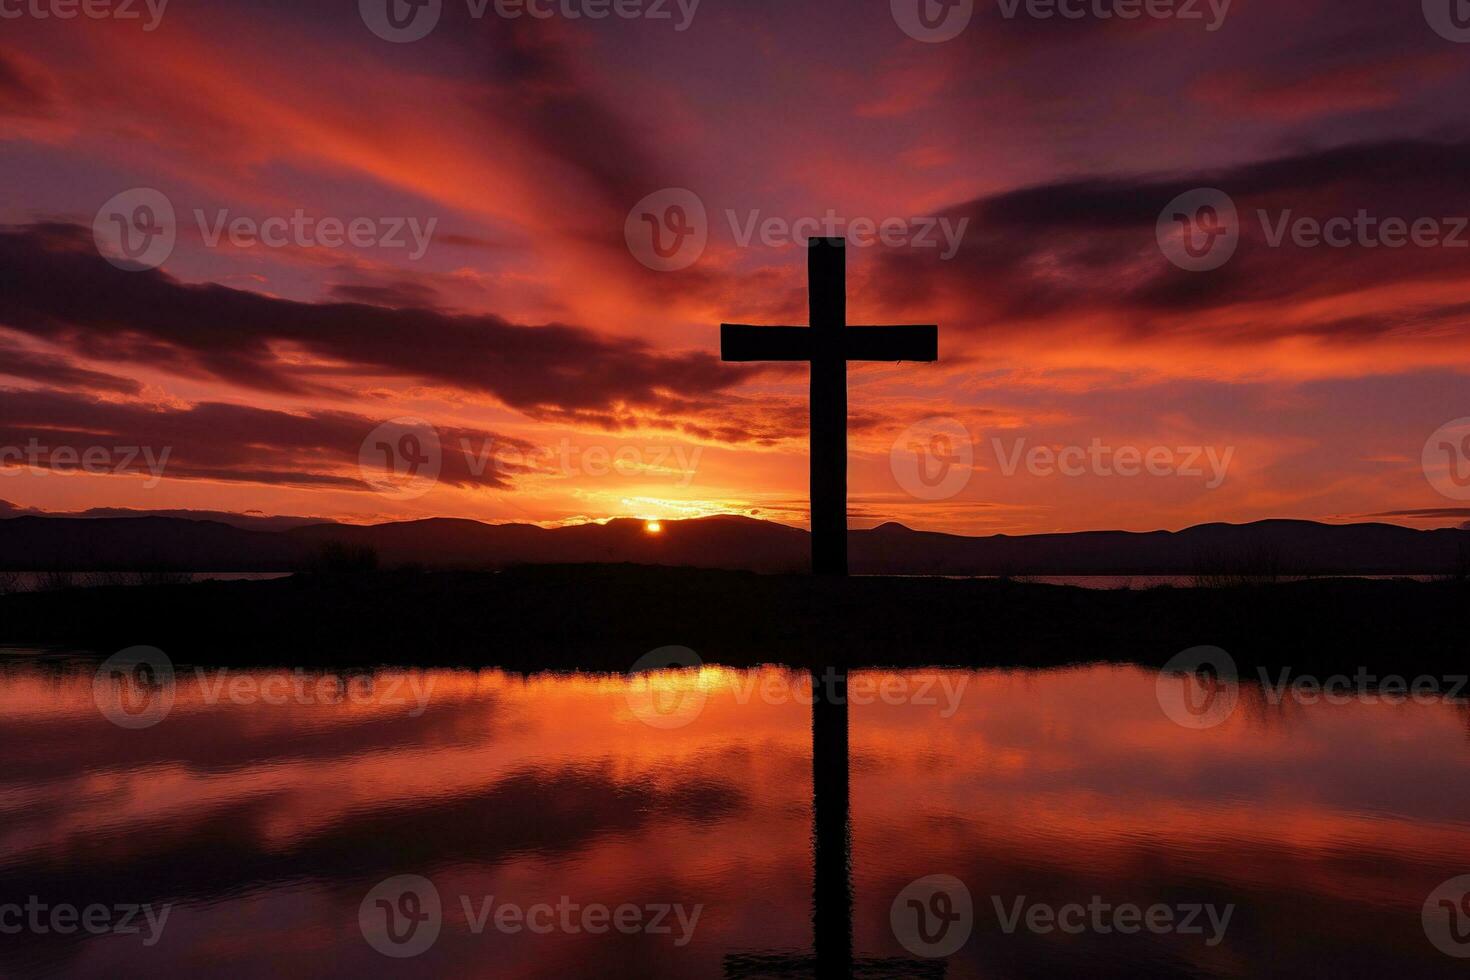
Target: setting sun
(653, 527)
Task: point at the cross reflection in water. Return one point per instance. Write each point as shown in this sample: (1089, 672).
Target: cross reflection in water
(832, 862)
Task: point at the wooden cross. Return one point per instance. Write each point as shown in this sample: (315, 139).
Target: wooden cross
(829, 343)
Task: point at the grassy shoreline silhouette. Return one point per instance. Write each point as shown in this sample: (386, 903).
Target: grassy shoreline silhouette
(604, 617)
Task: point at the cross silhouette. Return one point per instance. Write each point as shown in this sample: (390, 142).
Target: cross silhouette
(829, 343)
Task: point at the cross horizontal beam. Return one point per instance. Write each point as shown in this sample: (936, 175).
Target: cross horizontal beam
(918, 343)
(743, 342)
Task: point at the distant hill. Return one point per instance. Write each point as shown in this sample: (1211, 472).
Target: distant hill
(1263, 547)
(250, 522)
(34, 543)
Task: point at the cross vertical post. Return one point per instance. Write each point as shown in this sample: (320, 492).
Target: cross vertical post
(831, 825)
(827, 299)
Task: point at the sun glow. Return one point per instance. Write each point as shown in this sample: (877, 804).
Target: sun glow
(653, 527)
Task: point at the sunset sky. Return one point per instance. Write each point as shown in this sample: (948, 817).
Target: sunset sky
(530, 332)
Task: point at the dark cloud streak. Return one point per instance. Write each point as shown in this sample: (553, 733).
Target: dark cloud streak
(1088, 245)
(233, 443)
(55, 286)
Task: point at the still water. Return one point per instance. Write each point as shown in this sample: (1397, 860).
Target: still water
(595, 826)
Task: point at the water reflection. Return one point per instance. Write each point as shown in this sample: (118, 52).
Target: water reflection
(265, 825)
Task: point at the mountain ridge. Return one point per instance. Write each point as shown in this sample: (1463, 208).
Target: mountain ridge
(1269, 547)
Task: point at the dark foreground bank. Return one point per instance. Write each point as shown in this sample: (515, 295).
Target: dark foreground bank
(604, 617)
